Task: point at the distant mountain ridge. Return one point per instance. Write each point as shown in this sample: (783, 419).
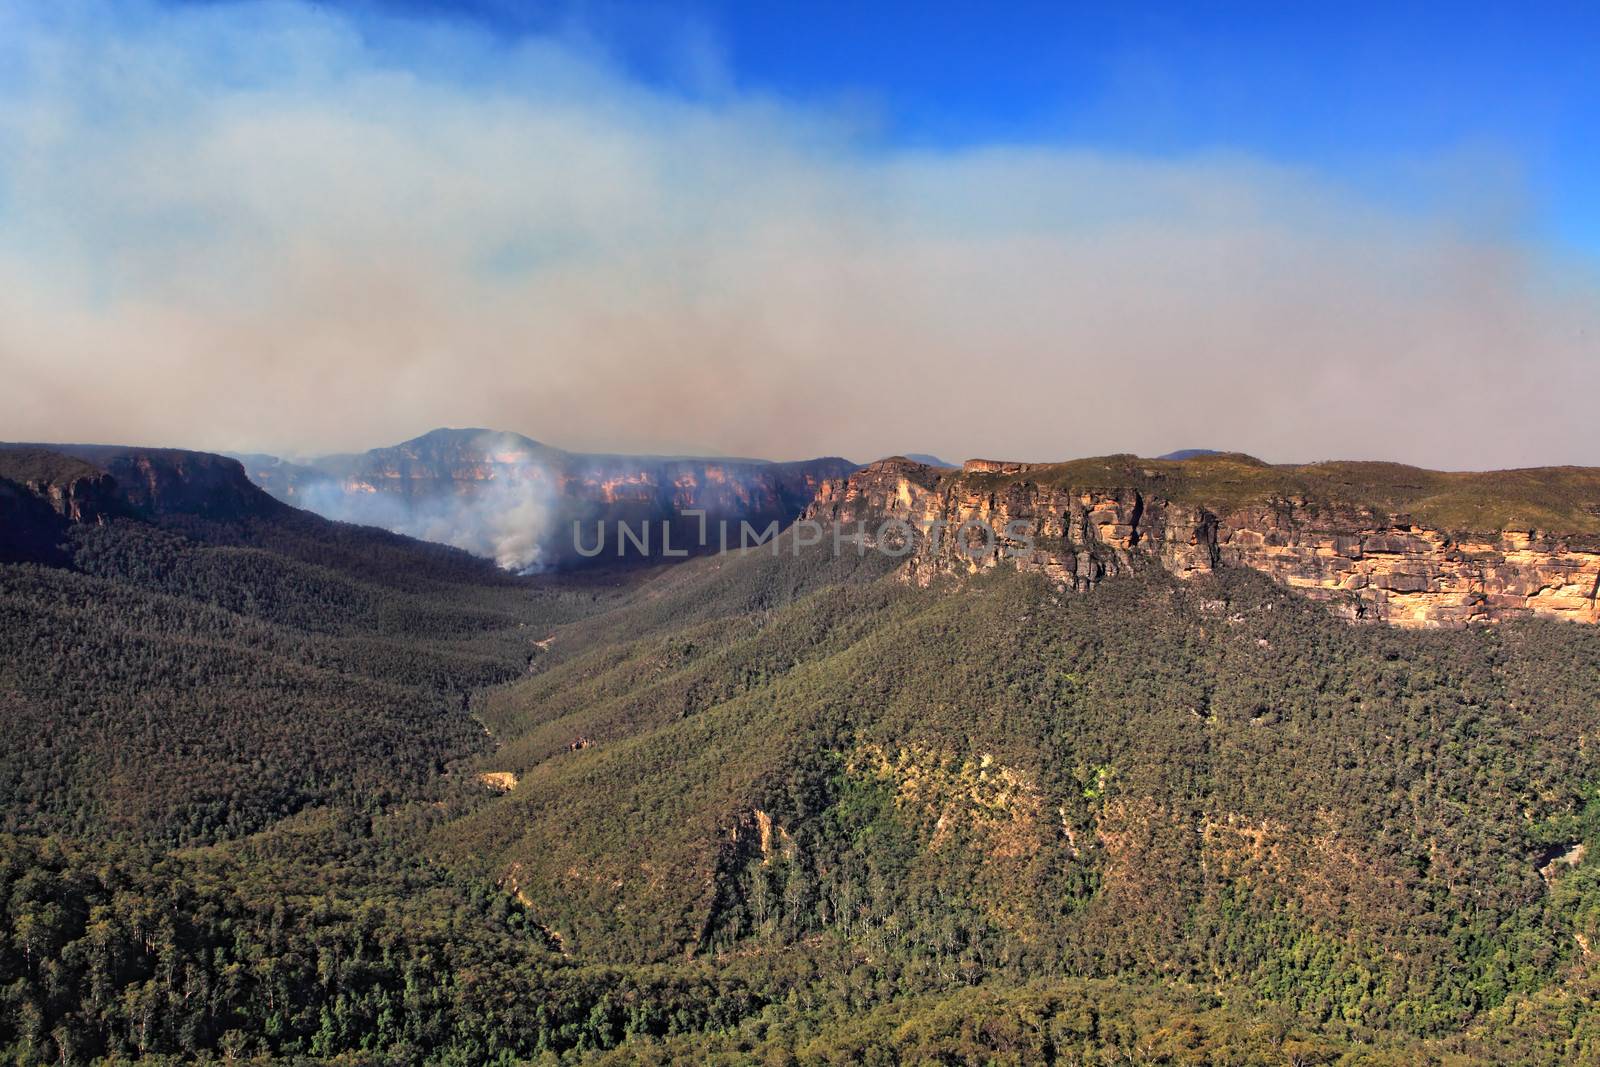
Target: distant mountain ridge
(514, 499)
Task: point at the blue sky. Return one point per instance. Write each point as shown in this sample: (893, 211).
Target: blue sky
(1366, 90)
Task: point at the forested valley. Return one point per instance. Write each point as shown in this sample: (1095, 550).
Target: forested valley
(281, 789)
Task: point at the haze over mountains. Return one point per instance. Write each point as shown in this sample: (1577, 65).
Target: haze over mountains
(1378, 542)
(1386, 542)
(515, 500)
(526, 229)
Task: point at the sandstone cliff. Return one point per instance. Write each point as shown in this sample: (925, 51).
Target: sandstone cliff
(1379, 542)
(176, 481)
(74, 490)
(45, 489)
(95, 483)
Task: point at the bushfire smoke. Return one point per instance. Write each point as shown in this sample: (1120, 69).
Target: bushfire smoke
(276, 227)
(515, 500)
(508, 521)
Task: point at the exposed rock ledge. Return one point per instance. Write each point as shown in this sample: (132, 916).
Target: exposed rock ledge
(1370, 564)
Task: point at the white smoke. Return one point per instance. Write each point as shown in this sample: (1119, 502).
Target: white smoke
(270, 227)
(506, 519)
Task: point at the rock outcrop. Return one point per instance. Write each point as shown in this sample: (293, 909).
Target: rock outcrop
(176, 481)
(73, 489)
(41, 494)
(1396, 571)
(1370, 563)
(44, 489)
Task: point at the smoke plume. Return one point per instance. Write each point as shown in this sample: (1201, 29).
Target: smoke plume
(504, 520)
(277, 228)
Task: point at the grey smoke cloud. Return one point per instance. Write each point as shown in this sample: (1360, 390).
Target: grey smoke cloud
(269, 228)
(497, 499)
(506, 521)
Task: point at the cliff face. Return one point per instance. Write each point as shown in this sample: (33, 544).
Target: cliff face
(41, 494)
(1380, 568)
(172, 481)
(72, 489)
(1370, 563)
(46, 489)
(95, 483)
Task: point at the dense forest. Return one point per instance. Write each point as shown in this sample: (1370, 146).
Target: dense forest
(278, 788)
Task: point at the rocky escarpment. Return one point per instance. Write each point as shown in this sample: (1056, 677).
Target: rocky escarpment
(90, 483)
(1397, 571)
(73, 489)
(175, 481)
(1319, 530)
(41, 494)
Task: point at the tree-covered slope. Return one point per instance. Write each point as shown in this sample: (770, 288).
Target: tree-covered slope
(181, 674)
(1213, 783)
(775, 807)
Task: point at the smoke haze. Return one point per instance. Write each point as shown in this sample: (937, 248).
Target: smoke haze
(506, 521)
(272, 228)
